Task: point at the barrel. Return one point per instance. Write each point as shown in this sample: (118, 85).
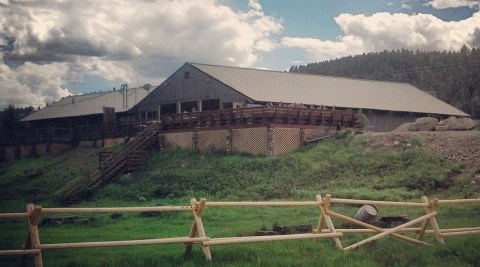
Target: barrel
(367, 213)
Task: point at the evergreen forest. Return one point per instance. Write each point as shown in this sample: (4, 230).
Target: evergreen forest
(454, 77)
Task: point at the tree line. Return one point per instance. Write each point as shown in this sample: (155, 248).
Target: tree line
(9, 122)
(453, 76)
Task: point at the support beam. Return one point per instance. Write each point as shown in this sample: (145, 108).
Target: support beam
(327, 219)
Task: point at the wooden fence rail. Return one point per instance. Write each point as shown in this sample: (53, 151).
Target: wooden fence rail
(197, 234)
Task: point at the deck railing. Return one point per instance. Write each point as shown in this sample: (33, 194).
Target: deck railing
(206, 119)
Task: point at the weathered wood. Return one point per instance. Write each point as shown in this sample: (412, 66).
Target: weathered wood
(14, 252)
(391, 231)
(199, 224)
(122, 209)
(377, 202)
(357, 231)
(261, 203)
(14, 215)
(432, 205)
(251, 239)
(375, 228)
(171, 240)
(33, 240)
(461, 233)
(459, 201)
(327, 219)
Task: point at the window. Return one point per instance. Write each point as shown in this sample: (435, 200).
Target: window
(189, 106)
(227, 105)
(168, 109)
(210, 104)
(187, 75)
(151, 114)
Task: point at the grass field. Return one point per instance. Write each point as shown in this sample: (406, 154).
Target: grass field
(342, 166)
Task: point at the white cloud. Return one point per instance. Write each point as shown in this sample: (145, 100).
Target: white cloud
(444, 4)
(32, 84)
(132, 41)
(391, 31)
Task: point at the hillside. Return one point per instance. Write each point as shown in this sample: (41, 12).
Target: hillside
(452, 76)
(371, 164)
(374, 166)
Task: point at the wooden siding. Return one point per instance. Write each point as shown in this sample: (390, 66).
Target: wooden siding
(198, 86)
(386, 121)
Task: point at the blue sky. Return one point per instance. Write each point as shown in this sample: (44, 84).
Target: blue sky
(51, 48)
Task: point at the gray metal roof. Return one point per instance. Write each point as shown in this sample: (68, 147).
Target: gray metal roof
(88, 104)
(274, 86)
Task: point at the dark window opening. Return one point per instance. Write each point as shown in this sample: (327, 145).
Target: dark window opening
(187, 75)
(151, 114)
(190, 106)
(210, 104)
(167, 109)
(227, 105)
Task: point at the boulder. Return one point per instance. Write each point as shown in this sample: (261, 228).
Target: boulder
(462, 124)
(413, 127)
(403, 128)
(441, 128)
(426, 123)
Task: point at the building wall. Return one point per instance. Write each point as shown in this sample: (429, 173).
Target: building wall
(212, 140)
(386, 121)
(198, 86)
(183, 140)
(286, 140)
(25, 151)
(249, 140)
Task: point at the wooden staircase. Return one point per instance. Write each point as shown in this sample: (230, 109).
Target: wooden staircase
(112, 166)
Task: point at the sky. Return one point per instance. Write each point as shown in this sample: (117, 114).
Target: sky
(50, 49)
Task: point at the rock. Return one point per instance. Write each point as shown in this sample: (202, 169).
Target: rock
(426, 123)
(413, 127)
(403, 128)
(461, 124)
(441, 128)
(467, 123)
(396, 143)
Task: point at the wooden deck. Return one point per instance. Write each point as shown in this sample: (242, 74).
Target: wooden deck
(261, 115)
(216, 119)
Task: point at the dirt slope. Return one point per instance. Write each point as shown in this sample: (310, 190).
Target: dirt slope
(462, 146)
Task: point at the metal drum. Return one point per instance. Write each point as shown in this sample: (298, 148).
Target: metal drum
(367, 213)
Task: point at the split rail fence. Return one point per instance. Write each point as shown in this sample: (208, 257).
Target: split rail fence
(197, 234)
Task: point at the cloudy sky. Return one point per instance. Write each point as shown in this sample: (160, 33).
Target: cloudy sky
(54, 48)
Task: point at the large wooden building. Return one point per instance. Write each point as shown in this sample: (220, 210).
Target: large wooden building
(201, 87)
(243, 110)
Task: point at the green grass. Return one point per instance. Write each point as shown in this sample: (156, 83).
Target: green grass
(341, 166)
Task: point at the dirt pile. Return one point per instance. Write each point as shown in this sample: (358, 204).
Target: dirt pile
(458, 146)
(432, 124)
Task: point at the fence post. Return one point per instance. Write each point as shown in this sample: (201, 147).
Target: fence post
(432, 205)
(33, 239)
(197, 226)
(324, 217)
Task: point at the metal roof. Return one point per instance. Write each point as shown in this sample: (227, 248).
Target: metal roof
(275, 86)
(88, 104)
